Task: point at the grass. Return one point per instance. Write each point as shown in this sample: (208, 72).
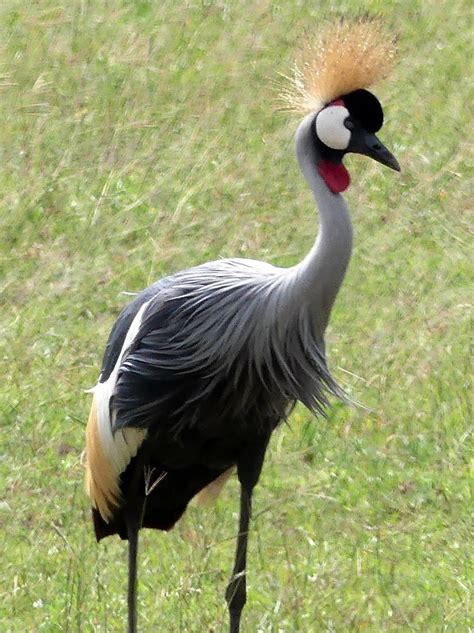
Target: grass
(139, 138)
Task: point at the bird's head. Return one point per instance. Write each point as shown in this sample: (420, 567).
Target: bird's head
(331, 77)
(348, 124)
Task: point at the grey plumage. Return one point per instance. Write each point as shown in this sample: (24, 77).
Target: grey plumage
(229, 324)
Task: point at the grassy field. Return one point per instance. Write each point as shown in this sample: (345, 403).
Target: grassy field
(138, 138)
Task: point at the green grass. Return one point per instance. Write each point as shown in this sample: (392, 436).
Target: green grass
(138, 138)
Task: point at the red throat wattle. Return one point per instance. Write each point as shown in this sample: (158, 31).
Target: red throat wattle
(335, 175)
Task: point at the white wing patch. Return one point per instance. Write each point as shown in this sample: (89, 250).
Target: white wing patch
(107, 453)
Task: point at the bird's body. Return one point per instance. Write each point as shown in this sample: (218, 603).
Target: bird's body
(197, 405)
(201, 367)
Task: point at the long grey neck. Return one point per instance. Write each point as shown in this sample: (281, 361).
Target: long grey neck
(317, 279)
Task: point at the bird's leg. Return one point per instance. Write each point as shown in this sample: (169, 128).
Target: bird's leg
(236, 593)
(248, 470)
(134, 522)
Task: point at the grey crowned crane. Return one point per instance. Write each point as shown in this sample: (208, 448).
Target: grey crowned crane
(202, 366)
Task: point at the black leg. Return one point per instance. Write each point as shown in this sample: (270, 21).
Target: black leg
(236, 593)
(248, 470)
(134, 522)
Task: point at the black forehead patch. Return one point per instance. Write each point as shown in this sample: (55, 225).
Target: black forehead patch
(366, 108)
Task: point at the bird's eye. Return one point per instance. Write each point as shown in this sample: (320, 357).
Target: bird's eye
(331, 129)
(349, 123)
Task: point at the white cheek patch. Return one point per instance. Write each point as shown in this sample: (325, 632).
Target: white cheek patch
(330, 127)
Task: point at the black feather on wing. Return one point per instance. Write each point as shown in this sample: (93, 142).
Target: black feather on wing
(121, 327)
(161, 386)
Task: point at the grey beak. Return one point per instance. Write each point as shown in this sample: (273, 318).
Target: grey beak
(369, 145)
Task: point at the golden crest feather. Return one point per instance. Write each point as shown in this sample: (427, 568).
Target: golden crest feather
(346, 56)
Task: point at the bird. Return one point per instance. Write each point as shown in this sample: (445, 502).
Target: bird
(202, 367)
